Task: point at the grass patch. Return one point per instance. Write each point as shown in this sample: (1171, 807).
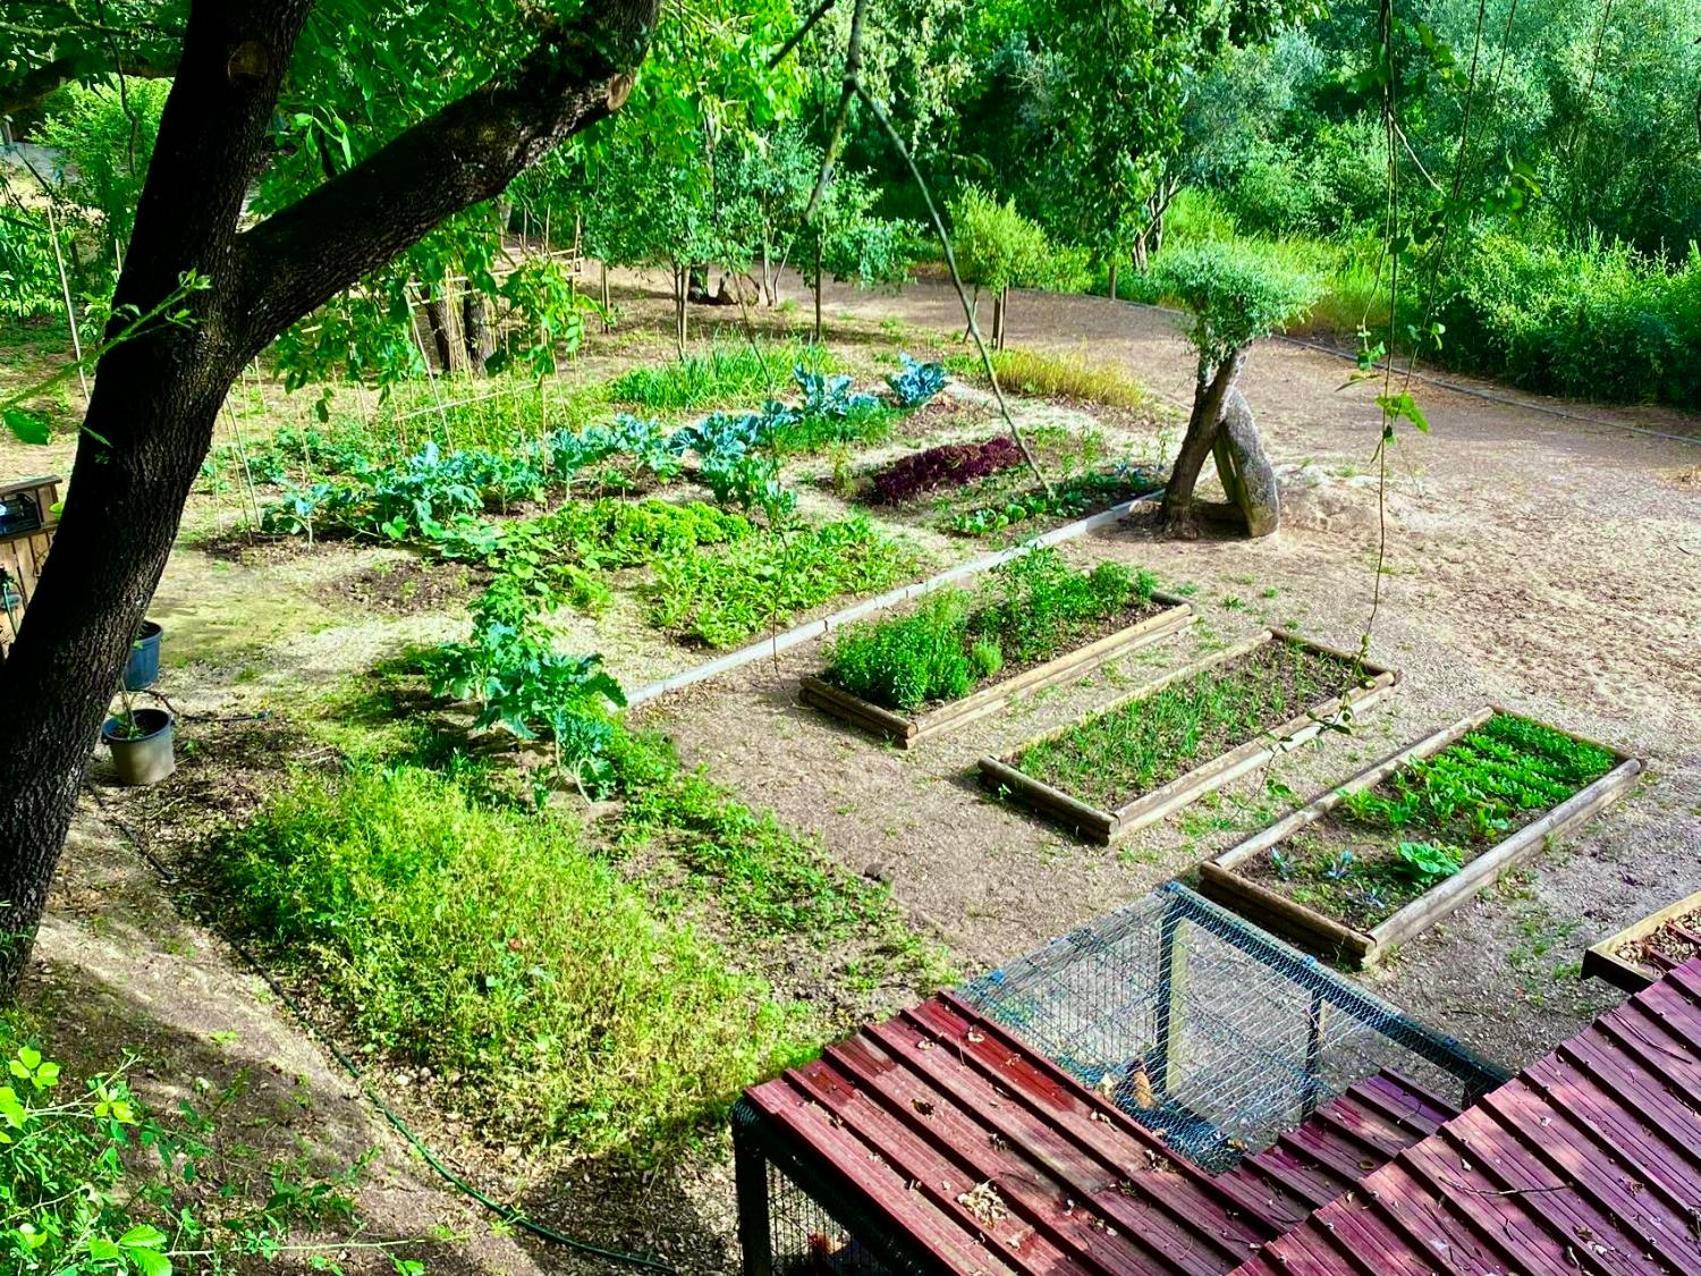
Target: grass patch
(769, 882)
(1041, 374)
(1385, 846)
(1030, 610)
(492, 948)
(721, 377)
(1111, 758)
(722, 599)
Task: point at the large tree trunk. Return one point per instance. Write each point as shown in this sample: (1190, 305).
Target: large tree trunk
(1210, 393)
(475, 327)
(450, 356)
(157, 394)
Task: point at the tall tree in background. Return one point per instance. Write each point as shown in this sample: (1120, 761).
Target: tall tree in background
(479, 91)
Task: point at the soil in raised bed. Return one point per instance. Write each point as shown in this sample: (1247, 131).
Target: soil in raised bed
(1671, 942)
(1378, 851)
(1113, 758)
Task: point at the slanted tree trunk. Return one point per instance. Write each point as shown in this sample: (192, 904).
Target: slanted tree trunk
(1210, 392)
(475, 327)
(156, 396)
(607, 307)
(1114, 295)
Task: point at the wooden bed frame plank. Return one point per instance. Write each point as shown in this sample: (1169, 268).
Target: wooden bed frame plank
(1602, 961)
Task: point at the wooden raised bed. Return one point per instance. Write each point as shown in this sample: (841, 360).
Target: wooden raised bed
(908, 731)
(1321, 934)
(1106, 826)
(1603, 962)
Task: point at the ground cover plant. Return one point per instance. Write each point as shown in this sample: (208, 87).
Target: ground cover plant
(774, 889)
(1072, 497)
(761, 582)
(1111, 758)
(95, 1182)
(947, 465)
(1030, 610)
(1044, 374)
(545, 996)
(1385, 846)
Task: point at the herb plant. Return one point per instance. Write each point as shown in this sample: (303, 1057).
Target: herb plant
(1029, 610)
(1113, 757)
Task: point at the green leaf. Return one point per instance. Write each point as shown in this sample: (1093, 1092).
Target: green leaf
(26, 426)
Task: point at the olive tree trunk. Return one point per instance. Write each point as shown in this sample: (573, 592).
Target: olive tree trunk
(157, 394)
(1210, 393)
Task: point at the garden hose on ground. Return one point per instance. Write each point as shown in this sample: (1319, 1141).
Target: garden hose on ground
(507, 1213)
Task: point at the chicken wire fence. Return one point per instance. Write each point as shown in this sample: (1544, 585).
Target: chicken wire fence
(1195, 1022)
(1201, 1025)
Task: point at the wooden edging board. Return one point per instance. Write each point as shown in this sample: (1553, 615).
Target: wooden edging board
(1602, 959)
(1098, 825)
(907, 732)
(1219, 880)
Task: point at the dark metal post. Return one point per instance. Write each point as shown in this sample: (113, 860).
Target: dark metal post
(750, 1172)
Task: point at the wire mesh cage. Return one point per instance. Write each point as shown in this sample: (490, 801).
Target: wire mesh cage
(1203, 1026)
(1198, 1025)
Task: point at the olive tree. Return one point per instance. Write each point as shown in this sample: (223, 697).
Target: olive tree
(1234, 295)
(999, 249)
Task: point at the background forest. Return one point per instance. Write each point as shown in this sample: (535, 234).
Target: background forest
(1534, 165)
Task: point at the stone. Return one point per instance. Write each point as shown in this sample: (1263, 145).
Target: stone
(1246, 473)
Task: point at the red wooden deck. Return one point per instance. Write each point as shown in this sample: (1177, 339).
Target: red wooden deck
(949, 1129)
(1589, 1161)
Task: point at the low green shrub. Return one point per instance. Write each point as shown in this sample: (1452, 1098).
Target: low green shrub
(722, 599)
(906, 661)
(94, 1183)
(1031, 609)
(494, 949)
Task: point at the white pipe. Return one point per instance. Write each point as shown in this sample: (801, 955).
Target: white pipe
(811, 630)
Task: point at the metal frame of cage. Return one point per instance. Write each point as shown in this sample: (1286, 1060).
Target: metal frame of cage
(787, 1194)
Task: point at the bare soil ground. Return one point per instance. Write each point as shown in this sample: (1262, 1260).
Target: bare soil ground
(1544, 562)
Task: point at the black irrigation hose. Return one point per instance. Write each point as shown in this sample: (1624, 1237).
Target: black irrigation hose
(507, 1213)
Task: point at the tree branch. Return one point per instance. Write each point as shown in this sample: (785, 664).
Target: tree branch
(302, 256)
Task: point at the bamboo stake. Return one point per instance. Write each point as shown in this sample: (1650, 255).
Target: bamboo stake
(70, 310)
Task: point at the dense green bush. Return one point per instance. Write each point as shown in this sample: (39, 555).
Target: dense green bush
(1031, 609)
(1236, 292)
(998, 248)
(494, 949)
(1600, 322)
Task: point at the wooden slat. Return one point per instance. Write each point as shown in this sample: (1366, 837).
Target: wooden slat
(876, 1185)
(1087, 1177)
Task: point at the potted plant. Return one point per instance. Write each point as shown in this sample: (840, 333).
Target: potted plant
(141, 669)
(141, 743)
